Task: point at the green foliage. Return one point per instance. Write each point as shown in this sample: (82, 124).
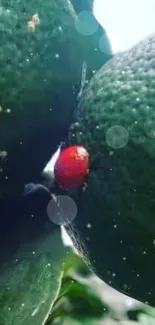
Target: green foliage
(29, 284)
(47, 287)
(85, 299)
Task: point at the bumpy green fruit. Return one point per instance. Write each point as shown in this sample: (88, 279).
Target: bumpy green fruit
(116, 211)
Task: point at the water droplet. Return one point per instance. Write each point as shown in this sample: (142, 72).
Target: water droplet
(86, 24)
(88, 225)
(57, 55)
(117, 137)
(60, 28)
(62, 210)
(111, 153)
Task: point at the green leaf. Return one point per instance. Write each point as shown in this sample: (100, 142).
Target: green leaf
(29, 285)
(76, 298)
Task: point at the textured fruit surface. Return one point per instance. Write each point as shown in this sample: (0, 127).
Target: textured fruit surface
(116, 212)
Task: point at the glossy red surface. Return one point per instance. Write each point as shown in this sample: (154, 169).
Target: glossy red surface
(71, 167)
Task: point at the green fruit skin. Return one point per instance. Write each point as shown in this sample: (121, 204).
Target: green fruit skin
(119, 202)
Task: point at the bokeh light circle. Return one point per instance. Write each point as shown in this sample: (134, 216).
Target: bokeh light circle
(8, 19)
(62, 210)
(86, 24)
(117, 137)
(105, 45)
